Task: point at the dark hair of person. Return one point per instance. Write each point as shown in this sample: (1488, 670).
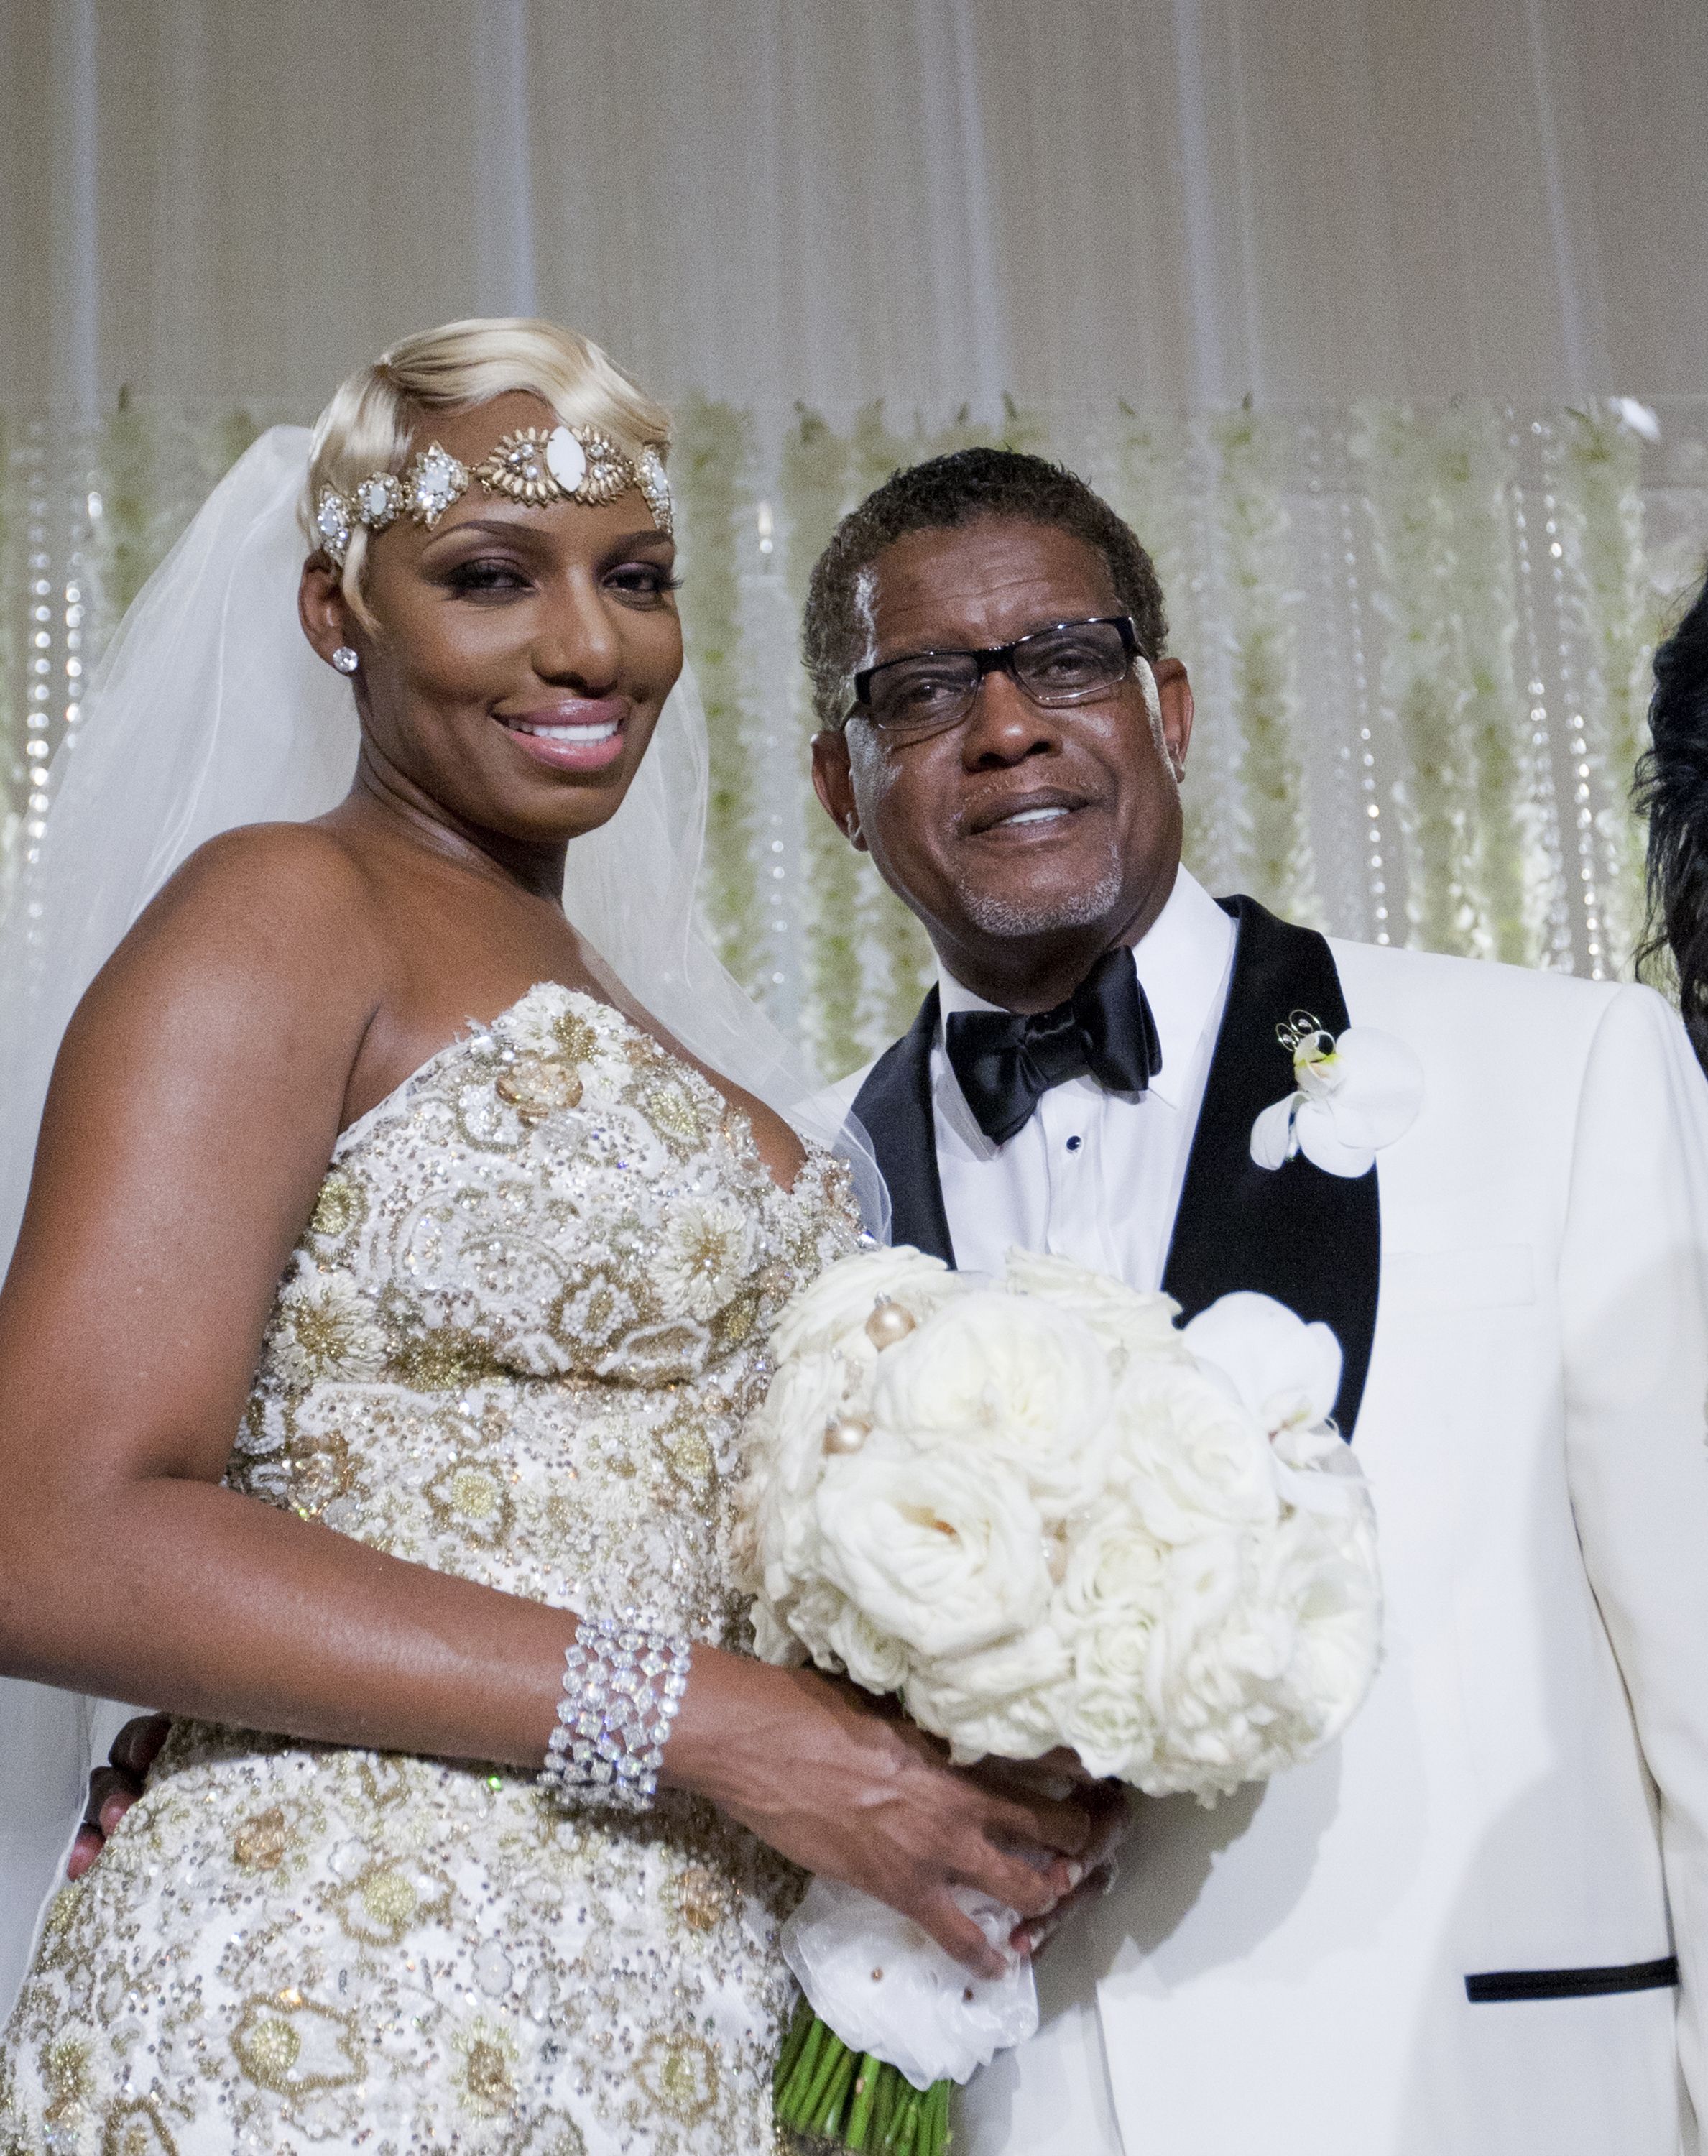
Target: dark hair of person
(942, 495)
(1672, 791)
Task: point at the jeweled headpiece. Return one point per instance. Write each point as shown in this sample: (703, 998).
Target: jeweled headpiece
(534, 467)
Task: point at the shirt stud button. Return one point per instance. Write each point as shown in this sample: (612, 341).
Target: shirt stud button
(1073, 1145)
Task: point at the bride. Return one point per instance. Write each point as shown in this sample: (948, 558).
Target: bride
(392, 1288)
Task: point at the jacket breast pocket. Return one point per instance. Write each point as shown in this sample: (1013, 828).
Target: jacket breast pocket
(1471, 1277)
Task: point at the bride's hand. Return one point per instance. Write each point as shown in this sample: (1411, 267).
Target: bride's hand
(839, 1785)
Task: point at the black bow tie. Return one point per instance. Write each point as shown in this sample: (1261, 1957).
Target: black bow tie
(1006, 1063)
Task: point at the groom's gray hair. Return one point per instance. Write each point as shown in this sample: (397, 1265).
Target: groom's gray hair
(941, 495)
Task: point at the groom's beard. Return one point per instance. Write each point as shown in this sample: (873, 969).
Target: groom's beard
(1010, 915)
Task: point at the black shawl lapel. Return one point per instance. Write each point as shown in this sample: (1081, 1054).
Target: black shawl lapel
(894, 1107)
(1312, 1240)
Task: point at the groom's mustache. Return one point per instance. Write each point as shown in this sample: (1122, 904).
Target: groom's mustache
(1023, 807)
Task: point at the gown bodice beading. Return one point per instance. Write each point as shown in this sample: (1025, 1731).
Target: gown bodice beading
(517, 1342)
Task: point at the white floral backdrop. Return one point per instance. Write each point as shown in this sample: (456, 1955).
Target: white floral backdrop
(1420, 640)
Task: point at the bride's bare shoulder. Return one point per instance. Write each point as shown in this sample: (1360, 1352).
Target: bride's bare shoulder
(261, 863)
(264, 888)
(213, 1051)
(263, 930)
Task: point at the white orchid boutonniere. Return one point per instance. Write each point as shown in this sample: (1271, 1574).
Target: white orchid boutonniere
(1352, 1096)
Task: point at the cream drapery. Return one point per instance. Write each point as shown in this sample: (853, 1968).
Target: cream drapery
(1177, 201)
(1332, 300)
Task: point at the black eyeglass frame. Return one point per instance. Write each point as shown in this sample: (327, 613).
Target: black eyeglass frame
(994, 659)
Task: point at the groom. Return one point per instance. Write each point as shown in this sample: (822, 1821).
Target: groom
(1479, 1923)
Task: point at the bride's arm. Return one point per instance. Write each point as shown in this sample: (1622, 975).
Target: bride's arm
(194, 1108)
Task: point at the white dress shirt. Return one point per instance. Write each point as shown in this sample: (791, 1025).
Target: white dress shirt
(1095, 1176)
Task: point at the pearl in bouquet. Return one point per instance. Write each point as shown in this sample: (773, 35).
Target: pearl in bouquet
(1042, 1513)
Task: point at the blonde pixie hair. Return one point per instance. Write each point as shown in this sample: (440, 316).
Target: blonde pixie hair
(372, 415)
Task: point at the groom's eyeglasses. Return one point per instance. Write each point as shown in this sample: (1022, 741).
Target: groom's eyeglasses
(927, 692)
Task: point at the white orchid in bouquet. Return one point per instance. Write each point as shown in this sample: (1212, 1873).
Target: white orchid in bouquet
(1042, 1513)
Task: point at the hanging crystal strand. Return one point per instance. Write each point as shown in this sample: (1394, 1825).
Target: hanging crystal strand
(1214, 767)
(42, 731)
(1345, 838)
(782, 758)
(711, 472)
(1439, 484)
(81, 596)
(1596, 464)
(1505, 883)
(1374, 748)
(812, 478)
(1252, 530)
(50, 498)
(19, 751)
(1522, 443)
(898, 966)
(1584, 742)
(129, 491)
(1407, 471)
(1140, 461)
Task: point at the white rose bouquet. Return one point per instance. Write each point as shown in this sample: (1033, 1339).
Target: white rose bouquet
(1042, 1514)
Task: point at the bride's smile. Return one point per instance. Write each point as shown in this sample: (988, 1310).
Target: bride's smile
(514, 658)
(577, 734)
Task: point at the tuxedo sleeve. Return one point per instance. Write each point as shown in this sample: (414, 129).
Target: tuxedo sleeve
(1633, 1291)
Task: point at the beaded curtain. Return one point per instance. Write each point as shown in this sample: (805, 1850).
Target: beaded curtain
(1420, 640)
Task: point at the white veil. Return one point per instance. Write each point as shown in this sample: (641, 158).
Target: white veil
(210, 709)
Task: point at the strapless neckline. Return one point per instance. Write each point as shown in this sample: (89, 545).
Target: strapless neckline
(478, 1034)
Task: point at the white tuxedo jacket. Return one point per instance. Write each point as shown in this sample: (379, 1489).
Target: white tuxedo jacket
(1454, 1934)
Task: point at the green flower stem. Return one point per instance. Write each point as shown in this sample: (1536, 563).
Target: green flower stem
(833, 2097)
(796, 2033)
(783, 2085)
(800, 2028)
(867, 2083)
(886, 2089)
(793, 2096)
(827, 2112)
(831, 2055)
(907, 2125)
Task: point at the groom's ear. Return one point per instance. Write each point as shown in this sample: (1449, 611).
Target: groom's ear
(833, 782)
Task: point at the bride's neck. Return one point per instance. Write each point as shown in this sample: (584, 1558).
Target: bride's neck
(388, 803)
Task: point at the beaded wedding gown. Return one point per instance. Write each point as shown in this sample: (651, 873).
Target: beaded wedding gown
(516, 1343)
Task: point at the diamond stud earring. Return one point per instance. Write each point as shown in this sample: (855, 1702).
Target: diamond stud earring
(346, 658)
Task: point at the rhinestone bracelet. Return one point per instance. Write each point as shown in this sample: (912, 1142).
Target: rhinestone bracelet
(622, 1683)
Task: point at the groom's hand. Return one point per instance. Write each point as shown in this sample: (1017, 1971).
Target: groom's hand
(115, 1788)
(1058, 1777)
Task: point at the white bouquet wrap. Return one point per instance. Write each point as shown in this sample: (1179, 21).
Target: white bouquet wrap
(1043, 1514)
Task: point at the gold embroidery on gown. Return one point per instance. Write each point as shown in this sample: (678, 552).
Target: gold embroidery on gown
(516, 1342)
